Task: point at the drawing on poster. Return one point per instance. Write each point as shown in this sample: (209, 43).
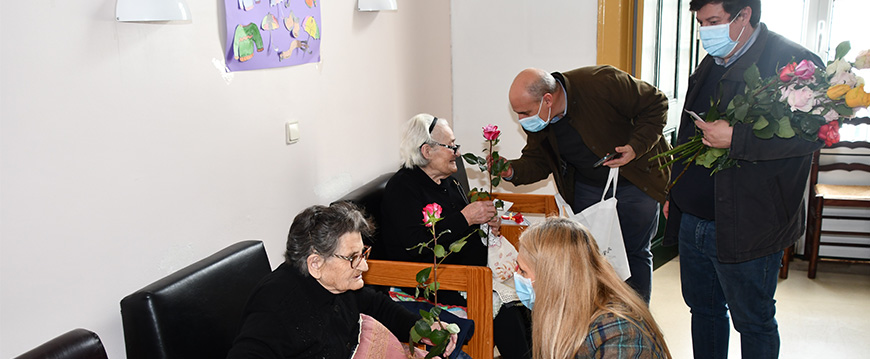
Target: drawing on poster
(254, 25)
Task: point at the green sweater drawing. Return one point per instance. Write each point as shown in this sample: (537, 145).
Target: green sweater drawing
(245, 37)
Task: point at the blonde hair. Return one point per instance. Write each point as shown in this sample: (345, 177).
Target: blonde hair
(574, 284)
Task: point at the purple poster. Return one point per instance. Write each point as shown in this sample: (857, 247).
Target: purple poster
(272, 33)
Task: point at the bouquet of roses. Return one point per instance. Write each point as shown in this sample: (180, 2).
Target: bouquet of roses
(801, 100)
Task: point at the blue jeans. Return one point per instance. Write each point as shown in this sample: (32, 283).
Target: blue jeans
(638, 219)
(711, 289)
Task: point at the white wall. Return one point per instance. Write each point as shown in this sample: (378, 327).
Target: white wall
(493, 41)
(125, 155)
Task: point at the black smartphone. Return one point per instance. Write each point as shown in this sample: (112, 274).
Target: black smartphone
(606, 158)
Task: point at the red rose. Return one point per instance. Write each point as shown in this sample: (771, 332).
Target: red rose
(787, 72)
(491, 132)
(830, 133)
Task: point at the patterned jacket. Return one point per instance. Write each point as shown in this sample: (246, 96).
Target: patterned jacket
(614, 337)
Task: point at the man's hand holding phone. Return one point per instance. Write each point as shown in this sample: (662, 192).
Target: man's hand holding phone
(623, 155)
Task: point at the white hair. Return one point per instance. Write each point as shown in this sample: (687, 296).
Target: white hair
(416, 135)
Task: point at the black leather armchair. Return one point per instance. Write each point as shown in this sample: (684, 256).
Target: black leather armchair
(74, 344)
(197, 311)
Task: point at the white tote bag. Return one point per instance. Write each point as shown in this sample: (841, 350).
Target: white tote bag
(603, 222)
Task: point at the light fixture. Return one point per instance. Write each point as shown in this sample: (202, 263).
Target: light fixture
(376, 5)
(151, 10)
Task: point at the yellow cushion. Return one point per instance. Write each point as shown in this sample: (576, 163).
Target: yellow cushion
(832, 191)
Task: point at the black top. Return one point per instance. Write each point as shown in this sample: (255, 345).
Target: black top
(292, 316)
(694, 195)
(405, 195)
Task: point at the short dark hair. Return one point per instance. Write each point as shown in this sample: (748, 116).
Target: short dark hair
(732, 7)
(317, 229)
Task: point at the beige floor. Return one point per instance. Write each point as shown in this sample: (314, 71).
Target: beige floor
(827, 317)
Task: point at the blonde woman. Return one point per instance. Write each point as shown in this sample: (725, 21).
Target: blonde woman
(580, 308)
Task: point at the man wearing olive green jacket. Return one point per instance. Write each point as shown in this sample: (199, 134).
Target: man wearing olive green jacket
(575, 118)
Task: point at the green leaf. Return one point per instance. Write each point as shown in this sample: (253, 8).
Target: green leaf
(740, 112)
(785, 130)
(423, 328)
(843, 49)
(752, 77)
(843, 109)
(423, 275)
(436, 311)
(415, 337)
(439, 251)
(768, 131)
(457, 246)
(496, 180)
(438, 336)
(760, 124)
(481, 161)
(712, 114)
(426, 315)
(434, 286)
(499, 204)
(708, 157)
(482, 167)
(470, 158)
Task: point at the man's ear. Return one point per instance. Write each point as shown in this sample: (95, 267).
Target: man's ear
(315, 265)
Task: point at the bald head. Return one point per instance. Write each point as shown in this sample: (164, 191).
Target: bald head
(528, 88)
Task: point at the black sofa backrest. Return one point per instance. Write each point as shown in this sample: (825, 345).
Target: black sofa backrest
(197, 311)
(74, 344)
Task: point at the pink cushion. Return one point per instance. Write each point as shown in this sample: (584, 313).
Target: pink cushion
(376, 341)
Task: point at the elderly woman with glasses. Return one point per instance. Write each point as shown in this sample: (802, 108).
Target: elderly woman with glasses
(310, 306)
(430, 157)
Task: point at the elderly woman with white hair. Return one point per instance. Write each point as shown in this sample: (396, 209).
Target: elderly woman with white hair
(429, 155)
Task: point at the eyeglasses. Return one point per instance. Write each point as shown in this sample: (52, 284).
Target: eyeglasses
(356, 259)
(454, 148)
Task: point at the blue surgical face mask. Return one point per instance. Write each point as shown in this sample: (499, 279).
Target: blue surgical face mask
(535, 123)
(525, 291)
(716, 39)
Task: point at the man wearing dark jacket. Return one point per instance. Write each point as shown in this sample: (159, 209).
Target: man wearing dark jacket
(576, 117)
(732, 226)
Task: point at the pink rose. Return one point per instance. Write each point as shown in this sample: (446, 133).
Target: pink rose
(787, 72)
(802, 99)
(431, 212)
(830, 133)
(805, 70)
(491, 132)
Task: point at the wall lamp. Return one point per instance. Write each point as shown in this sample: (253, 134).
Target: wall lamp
(376, 5)
(152, 10)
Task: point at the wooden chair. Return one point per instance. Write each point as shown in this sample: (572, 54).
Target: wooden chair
(824, 195)
(475, 280)
(526, 203)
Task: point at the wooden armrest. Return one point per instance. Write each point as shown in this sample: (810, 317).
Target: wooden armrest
(475, 280)
(525, 203)
(530, 203)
